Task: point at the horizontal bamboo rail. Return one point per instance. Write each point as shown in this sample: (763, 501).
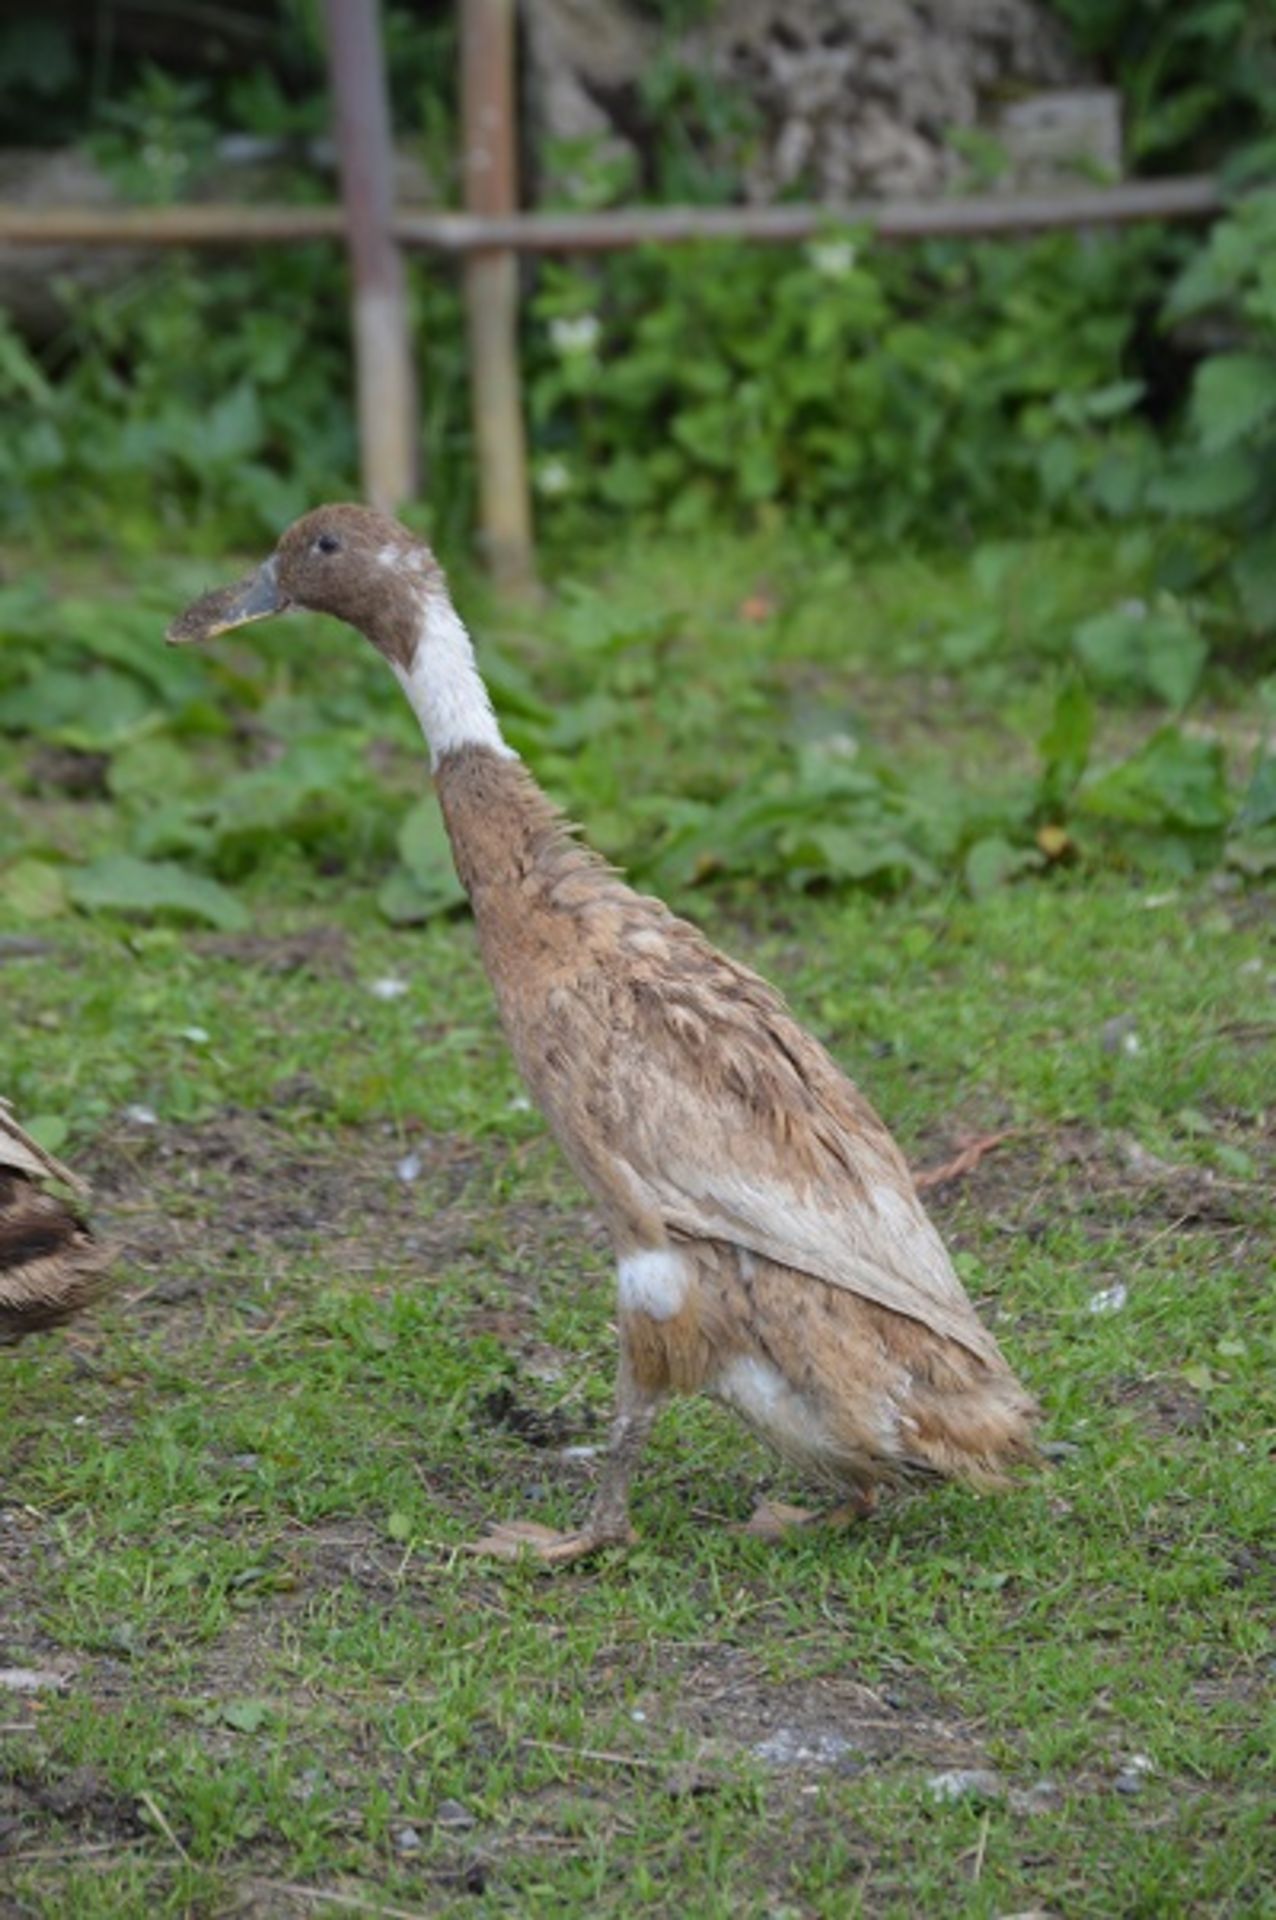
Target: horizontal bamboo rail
(981, 215)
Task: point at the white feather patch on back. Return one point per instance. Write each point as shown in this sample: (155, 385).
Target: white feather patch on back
(654, 1282)
(445, 688)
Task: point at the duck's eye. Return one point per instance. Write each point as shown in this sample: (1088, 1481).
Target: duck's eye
(327, 543)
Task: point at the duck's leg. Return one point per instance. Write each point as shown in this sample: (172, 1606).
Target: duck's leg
(607, 1524)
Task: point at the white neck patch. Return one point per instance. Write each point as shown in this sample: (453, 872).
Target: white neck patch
(445, 687)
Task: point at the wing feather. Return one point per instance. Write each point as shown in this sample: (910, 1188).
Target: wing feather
(736, 1125)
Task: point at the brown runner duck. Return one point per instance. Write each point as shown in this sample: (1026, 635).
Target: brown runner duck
(50, 1264)
(771, 1248)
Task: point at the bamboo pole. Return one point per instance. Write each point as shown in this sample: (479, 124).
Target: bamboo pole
(211, 225)
(489, 132)
(979, 216)
(386, 385)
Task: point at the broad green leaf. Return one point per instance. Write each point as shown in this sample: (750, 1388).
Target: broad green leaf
(991, 862)
(1254, 571)
(1253, 852)
(1258, 808)
(48, 1130)
(964, 646)
(1214, 483)
(1233, 396)
(1066, 743)
(153, 768)
(121, 883)
(131, 637)
(423, 843)
(91, 711)
(405, 902)
(35, 889)
(232, 429)
(427, 884)
(1173, 781)
(1134, 651)
(313, 772)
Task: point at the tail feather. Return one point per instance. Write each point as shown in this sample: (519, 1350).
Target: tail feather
(979, 1436)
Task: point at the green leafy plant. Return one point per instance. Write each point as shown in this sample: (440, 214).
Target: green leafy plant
(1224, 468)
(876, 396)
(1198, 77)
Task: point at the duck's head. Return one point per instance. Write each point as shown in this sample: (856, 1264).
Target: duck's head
(358, 565)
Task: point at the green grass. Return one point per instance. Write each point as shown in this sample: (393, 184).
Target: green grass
(234, 1496)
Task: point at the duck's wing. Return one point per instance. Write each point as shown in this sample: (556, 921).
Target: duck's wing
(736, 1125)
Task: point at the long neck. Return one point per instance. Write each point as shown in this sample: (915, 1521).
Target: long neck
(444, 685)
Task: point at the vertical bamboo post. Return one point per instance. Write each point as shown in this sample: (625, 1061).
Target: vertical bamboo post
(384, 376)
(489, 134)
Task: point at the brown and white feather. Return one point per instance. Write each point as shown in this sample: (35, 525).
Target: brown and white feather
(51, 1267)
(772, 1248)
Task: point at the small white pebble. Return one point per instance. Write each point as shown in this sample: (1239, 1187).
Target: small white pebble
(141, 1116)
(802, 1747)
(80, 1420)
(32, 1680)
(1133, 1772)
(581, 1453)
(638, 1715)
(1110, 1299)
(388, 987)
(409, 1168)
(520, 1104)
(407, 1840)
(198, 1036)
(964, 1783)
(1130, 1043)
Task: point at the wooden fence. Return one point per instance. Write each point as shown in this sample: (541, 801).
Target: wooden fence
(491, 233)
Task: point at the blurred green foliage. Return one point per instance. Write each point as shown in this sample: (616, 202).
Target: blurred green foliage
(1222, 468)
(704, 733)
(1197, 78)
(844, 395)
(933, 392)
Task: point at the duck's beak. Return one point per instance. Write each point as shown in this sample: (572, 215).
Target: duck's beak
(254, 598)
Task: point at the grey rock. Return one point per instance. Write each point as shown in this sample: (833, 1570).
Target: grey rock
(964, 1783)
(450, 1813)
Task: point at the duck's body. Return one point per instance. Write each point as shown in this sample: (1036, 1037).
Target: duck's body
(50, 1265)
(771, 1248)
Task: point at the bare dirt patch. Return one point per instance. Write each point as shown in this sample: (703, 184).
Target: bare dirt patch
(829, 1721)
(1034, 1179)
(191, 1204)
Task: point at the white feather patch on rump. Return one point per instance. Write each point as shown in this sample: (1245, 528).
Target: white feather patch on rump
(654, 1282)
(761, 1395)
